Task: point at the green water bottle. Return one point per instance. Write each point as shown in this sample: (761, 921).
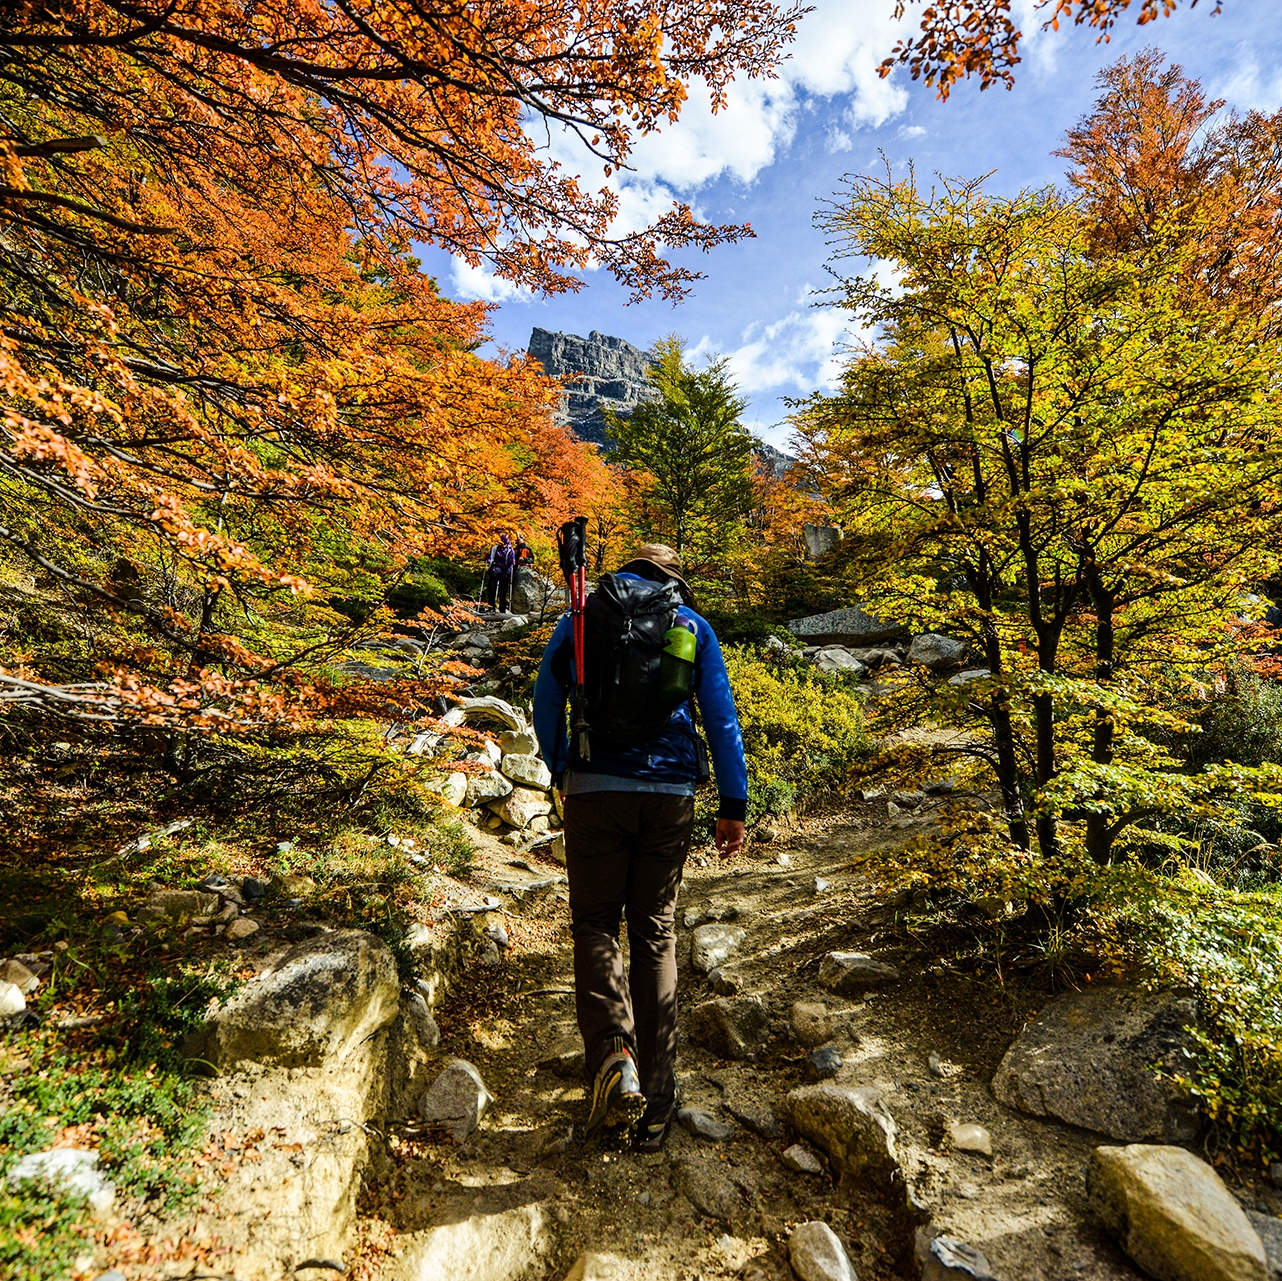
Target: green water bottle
(676, 666)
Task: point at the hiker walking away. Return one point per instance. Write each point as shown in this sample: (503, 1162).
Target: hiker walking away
(500, 565)
(650, 662)
(524, 554)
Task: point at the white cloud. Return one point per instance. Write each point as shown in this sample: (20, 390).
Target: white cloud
(911, 131)
(1251, 87)
(480, 282)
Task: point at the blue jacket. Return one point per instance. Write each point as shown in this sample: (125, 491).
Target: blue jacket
(669, 757)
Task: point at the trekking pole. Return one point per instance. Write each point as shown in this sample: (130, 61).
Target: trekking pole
(571, 542)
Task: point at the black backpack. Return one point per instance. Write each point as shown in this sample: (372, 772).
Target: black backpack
(624, 624)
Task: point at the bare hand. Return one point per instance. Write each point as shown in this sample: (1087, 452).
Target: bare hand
(729, 838)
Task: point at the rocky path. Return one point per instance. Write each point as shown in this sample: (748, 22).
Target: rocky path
(524, 1196)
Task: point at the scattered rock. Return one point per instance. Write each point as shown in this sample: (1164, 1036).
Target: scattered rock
(11, 999)
(1173, 1215)
(523, 805)
(766, 835)
(761, 1120)
(489, 1247)
(457, 1100)
(817, 1255)
(452, 787)
(851, 1124)
(801, 1159)
(1275, 1174)
(490, 786)
(938, 1067)
(323, 999)
(709, 1189)
(555, 849)
(703, 1125)
(715, 944)
(241, 929)
(179, 907)
(821, 884)
(1268, 1227)
(850, 973)
(1088, 1059)
(809, 1023)
(253, 888)
(293, 885)
(732, 1026)
(74, 1169)
(824, 1063)
(967, 1137)
(518, 743)
(590, 1266)
(528, 770)
(420, 1020)
(839, 660)
(948, 1259)
(553, 1140)
(13, 971)
(820, 539)
(723, 982)
(971, 674)
(937, 652)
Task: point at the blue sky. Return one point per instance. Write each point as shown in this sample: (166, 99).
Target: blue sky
(783, 146)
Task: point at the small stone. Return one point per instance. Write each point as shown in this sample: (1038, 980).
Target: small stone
(709, 1189)
(178, 906)
(824, 1063)
(420, 1020)
(766, 835)
(734, 1027)
(968, 1137)
(703, 1125)
(556, 849)
(241, 929)
(816, 1254)
(518, 743)
(15, 972)
(489, 786)
(809, 1023)
(723, 982)
(76, 1170)
(253, 888)
(538, 824)
(821, 884)
(1173, 1215)
(761, 1120)
(849, 973)
(496, 931)
(1275, 1174)
(948, 1259)
(937, 1066)
(801, 1159)
(11, 999)
(715, 944)
(784, 860)
(457, 1100)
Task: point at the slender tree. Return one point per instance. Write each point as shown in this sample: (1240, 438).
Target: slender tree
(690, 444)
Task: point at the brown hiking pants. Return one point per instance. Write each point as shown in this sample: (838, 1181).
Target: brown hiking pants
(624, 852)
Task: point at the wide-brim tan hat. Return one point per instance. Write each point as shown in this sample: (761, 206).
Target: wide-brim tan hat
(664, 558)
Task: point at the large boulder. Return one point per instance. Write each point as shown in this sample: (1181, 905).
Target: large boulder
(490, 786)
(532, 593)
(527, 770)
(1173, 1215)
(734, 1027)
(320, 1001)
(816, 1254)
(1106, 1059)
(519, 809)
(820, 539)
(851, 1124)
(839, 660)
(844, 626)
(505, 1246)
(937, 652)
(71, 1168)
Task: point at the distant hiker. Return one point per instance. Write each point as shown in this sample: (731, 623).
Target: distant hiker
(500, 566)
(524, 554)
(649, 659)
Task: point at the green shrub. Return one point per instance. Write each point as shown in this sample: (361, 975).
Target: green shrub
(802, 732)
(1242, 722)
(415, 592)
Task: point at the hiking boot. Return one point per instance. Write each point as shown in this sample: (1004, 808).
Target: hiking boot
(616, 1090)
(652, 1132)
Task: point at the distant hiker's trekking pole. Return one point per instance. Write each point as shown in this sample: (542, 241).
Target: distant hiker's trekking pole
(572, 545)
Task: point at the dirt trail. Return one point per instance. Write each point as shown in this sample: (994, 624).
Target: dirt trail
(1024, 1207)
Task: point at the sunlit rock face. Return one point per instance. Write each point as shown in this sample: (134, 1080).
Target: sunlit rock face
(612, 376)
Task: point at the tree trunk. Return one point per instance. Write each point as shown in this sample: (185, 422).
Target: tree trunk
(1099, 827)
